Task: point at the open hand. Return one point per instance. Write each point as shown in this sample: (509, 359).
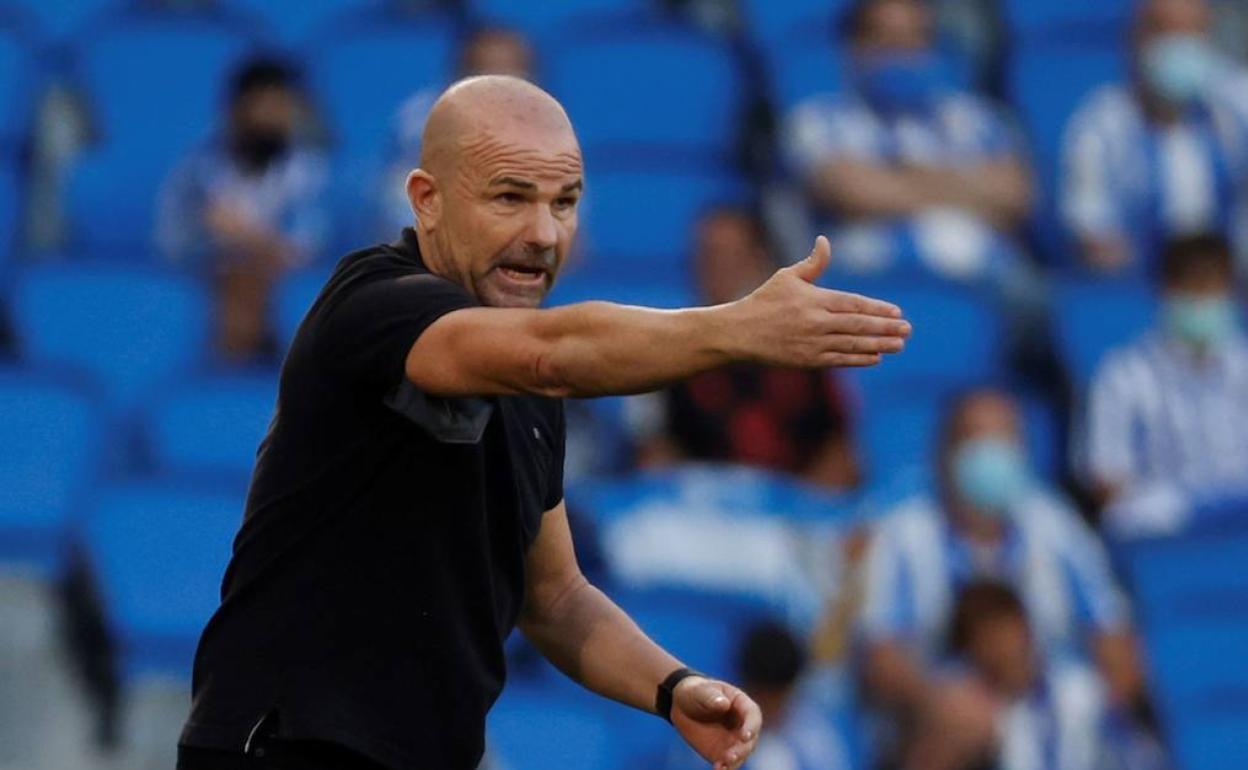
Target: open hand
(719, 721)
(788, 321)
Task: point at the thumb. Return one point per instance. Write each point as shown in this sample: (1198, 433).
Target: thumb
(816, 262)
(705, 701)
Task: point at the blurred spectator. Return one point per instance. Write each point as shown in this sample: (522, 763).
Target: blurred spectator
(918, 175)
(487, 51)
(786, 420)
(246, 206)
(1050, 715)
(1163, 156)
(799, 735)
(990, 519)
(1171, 409)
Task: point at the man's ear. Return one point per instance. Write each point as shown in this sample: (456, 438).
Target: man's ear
(425, 199)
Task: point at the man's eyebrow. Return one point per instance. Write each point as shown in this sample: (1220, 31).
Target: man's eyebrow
(577, 185)
(512, 181)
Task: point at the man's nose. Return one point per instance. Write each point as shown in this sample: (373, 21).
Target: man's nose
(543, 230)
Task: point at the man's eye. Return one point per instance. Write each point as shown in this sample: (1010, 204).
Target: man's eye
(509, 197)
(566, 202)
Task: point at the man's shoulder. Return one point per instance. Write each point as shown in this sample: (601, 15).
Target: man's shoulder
(1108, 107)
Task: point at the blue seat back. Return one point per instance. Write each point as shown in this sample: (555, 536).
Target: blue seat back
(809, 68)
(638, 227)
(156, 86)
(10, 214)
(212, 426)
(1057, 19)
(898, 431)
(60, 20)
(956, 340)
(17, 88)
(542, 21)
(130, 329)
(292, 22)
(621, 90)
(1091, 317)
(364, 72)
(529, 729)
(774, 27)
(160, 550)
(47, 460)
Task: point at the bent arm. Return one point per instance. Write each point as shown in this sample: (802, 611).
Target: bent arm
(600, 348)
(582, 631)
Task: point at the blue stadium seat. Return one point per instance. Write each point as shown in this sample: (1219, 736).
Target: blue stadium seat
(293, 22)
(775, 26)
(810, 68)
(1046, 83)
(10, 214)
(898, 431)
(699, 627)
(1092, 316)
(47, 460)
(160, 550)
(130, 329)
(293, 298)
(1188, 580)
(1053, 19)
(1043, 433)
(364, 72)
(957, 337)
(155, 85)
(17, 88)
(638, 227)
(1210, 739)
(212, 426)
(629, 107)
(59, 20)
(530, 729)
(544, 20)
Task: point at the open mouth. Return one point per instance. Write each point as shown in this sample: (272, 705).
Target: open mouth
(523, 273)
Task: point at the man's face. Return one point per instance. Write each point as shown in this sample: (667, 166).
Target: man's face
(269, 111)
(498, 53)
(509, 212)
(1160, 18)
(1000, 650)
(1202, 281)
(896, 26)
(729, 259)
(987, 415)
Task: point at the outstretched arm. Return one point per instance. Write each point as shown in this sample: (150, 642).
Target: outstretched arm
(599, 348)
(593, 641)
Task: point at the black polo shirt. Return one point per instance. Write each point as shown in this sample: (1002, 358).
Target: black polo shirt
(380, 564)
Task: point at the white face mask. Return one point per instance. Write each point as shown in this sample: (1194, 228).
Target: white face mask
(1178, 68)
(990, 474)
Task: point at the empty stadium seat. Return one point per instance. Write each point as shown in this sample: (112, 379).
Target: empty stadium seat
(656, 94)
(292, 22)
(1047, 82)
(212, 425)
(155, 85)
(1093, 316)
(774, 26)
(544, 20)
(1187, 580)
(47, 460)
(364, 72)
(956, 339)
(530, 729)
(811, 67)
(160, 549)
(60, 20)
(638, 227)
(17, 88)
(1053, 19)
(897, 430)
(10, 214)
(130, 329)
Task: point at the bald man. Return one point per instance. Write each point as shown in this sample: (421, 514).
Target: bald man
(406, 509)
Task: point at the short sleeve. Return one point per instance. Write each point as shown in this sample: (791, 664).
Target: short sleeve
(367, 335)
(883, 613)
(1099, 602)
(554, 478)
(1109, 447)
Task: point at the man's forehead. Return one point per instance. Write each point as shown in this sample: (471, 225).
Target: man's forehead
(545, 156)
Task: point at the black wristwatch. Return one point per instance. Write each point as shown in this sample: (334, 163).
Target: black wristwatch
(663, 697)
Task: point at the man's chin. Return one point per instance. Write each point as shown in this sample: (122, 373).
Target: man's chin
(513, 297)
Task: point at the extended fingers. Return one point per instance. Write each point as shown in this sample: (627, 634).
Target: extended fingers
(848, 302)
(850, 343)
(860, 323)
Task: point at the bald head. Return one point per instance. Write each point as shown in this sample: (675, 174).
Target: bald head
(496, 193)
(488, 107)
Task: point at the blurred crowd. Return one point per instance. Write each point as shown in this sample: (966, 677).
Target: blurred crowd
(968, 610)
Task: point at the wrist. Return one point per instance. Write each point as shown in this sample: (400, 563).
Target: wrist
(719, 329)
(666, 691)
